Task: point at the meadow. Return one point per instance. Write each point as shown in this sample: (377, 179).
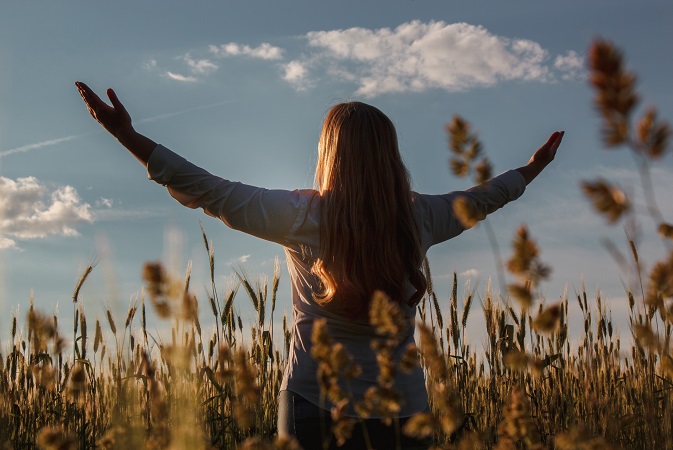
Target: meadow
(119, 386)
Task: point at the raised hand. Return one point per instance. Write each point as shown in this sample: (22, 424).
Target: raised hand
(542, 157)
(115, 119)
(545, 154)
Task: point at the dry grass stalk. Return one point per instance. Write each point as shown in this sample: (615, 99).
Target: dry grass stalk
(607, 199)
(526, 265)
(466, 148)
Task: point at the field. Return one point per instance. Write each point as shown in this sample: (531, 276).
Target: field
(118, 387)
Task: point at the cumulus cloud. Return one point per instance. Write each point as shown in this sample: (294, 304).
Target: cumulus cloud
(295, 73)
(200, 66)
(413, 57)
(6, 243)
(418, 56)
(571, 65)
(181, 78)
(263, 51)
(28, 210)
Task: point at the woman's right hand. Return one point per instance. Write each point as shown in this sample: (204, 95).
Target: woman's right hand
(542, 157)
(115, 119)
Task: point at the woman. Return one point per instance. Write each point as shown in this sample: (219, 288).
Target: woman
(362, 230)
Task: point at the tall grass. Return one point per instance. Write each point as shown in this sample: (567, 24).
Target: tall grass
(528, 384)
(121, 386)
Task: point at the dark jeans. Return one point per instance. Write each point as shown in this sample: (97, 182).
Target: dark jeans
(310, 425)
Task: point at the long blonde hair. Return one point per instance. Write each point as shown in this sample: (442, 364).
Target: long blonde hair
(369, 239)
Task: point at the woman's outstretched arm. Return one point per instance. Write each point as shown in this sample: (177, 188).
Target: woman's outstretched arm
(542, 157)
(117, 121)
(267, 214)
(441, 221)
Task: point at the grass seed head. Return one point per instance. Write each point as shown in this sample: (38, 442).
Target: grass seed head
(98, 337)
(343, 429)
(83, 331)
(53, 438)
(409, 359)
(321, 342)
(517, 426)
(420, 426)
(41, 329)
(111, 322)
(387, 317)
(522, 293)
(466, 212)
(660, 283)
(483, 171)
(549, 319)
(652, 136)
(255, 443)
(607, 199)
(578, 437)
(665, 230)
(646, 338)
(286, 443)
(77, 383)
(159, 288)
(45, 375)
(517, 360)
(615, 96)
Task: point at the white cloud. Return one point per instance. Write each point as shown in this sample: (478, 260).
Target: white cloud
(28, 210)
(413, 57)
(181, 78)
(106, 202)
(571, 65)
(296, 73)
(200, 66)
(243, 259)
(264, 51)
(470, 273)
(6, 243)
(418, 56)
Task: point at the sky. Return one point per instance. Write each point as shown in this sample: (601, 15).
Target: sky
(241, 88)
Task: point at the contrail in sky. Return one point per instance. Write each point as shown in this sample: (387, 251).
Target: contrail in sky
(29, 147)
(184, 111)
(50, 142)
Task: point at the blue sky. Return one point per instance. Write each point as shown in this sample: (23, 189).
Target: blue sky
(241, 88)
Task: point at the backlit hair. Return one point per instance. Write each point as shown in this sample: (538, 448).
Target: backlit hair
(368, 236)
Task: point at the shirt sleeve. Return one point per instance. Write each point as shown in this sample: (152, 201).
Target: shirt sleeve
(265, 213)
(439, 222)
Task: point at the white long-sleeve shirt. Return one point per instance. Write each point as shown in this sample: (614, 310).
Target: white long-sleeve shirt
(292, 219)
